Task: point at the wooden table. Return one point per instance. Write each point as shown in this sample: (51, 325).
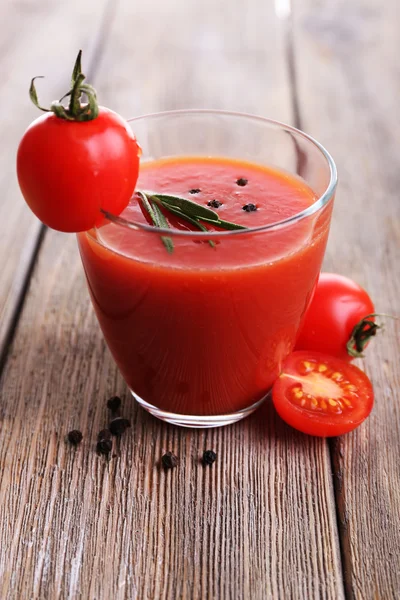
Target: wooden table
(280, 515)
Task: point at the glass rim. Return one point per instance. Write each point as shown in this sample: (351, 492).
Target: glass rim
(319, 203)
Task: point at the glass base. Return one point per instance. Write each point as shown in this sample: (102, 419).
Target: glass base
(201, 421)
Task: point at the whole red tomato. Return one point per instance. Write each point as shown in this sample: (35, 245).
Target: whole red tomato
(69, 170)
(337, 306)
(75, 161)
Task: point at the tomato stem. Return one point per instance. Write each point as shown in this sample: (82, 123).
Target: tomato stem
(362, 333)
(76, 111)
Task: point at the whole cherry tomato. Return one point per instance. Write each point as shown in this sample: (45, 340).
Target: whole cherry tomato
(338, 305)
(322, 395)
(72, 163)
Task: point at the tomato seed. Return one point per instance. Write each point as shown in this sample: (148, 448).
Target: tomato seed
(306, 367)
(350, 388)
(337, 376)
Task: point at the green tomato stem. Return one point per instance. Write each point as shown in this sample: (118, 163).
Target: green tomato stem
(76, 111)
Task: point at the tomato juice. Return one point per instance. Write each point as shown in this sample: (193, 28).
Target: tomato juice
(203, 330)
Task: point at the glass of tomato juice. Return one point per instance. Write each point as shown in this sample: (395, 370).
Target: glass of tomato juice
(199, 322)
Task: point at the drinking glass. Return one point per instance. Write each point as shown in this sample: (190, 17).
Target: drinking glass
(199, 334)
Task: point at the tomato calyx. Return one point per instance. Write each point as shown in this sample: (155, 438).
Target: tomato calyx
(362, 333)
(76, 110)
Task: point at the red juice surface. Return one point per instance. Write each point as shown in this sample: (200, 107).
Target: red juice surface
(203, 330)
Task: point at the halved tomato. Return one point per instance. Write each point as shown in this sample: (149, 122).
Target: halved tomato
(322, 395)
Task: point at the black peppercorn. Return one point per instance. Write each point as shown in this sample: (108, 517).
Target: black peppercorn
(119, 425)
(242, 181)
(104, 447)
(114, 403)
(169, 460)
(104, 434)
(249, 207)
(75, 437)
(209, 457)
(214, 203)
(195, 191)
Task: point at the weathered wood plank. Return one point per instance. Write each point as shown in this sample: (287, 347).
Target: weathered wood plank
(348, 84)
(258, 524)
(261, 522)
(36, 37)
(166, 56)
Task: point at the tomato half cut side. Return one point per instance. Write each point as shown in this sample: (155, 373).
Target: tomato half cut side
(322, 395)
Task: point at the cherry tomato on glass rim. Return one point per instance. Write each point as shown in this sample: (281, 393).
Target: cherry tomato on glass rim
(337, 306)
(74, 162)
(322, 395)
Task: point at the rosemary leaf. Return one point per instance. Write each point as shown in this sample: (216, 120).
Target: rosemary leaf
(163, 224)
(225, 224)
(157, 219)
(192, 209)
(148, 207)
(190, 220)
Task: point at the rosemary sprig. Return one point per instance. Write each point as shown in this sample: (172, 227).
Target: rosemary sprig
(184, 209)
(197, 211)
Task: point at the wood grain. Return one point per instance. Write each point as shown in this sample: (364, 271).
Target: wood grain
(36, 38)
(261, 523)
(348, 82)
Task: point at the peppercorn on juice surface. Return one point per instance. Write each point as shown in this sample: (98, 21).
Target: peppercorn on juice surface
(232, 188)
(202, 328)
